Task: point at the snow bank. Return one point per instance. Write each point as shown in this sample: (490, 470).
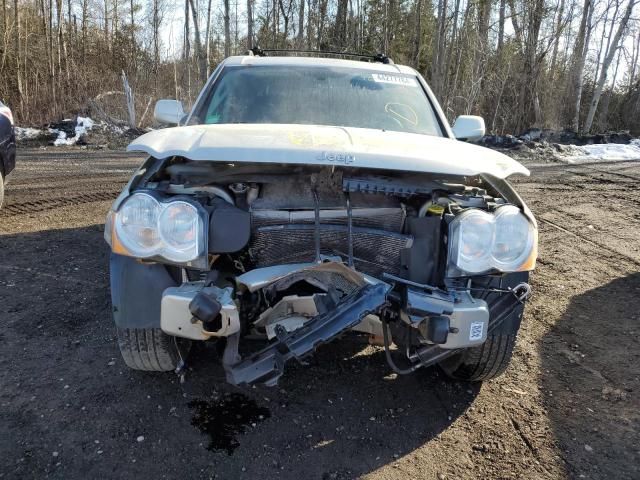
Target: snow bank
(606, 152)
(62, 137)
(83, 125)
(76, 131)
(27, 133)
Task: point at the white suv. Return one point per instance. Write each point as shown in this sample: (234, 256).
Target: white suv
(306, 197)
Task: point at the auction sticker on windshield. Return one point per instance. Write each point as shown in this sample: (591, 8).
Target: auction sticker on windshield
(394, 79)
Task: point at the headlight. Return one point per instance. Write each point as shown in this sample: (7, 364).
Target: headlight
(179, 226)
(481, 241)
(473, 240)
(513, 240)
(143, 227)
(136, 225)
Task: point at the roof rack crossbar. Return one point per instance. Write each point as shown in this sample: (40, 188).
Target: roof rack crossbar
(378, 57)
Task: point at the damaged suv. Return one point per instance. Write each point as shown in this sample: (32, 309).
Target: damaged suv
(306, 197)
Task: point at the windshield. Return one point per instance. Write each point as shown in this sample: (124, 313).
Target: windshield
(303, 95)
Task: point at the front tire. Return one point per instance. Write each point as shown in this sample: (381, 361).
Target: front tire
(150, 349)
(483, 362)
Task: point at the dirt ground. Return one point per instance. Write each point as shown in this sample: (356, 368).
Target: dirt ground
(568, 407)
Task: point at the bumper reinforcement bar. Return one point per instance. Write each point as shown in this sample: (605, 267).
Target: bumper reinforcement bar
(267, 366)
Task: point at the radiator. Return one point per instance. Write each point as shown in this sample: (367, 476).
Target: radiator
(388, 218)
(374, 251)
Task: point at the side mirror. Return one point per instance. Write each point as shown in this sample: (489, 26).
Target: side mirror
(168, 111)
(468, 127)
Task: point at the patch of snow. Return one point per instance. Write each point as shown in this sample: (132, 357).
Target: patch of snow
(26, 133)
(114, 128)
(62, 137)
(605, 152)
(83, 125)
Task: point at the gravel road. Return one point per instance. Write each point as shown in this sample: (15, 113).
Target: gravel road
(568, 407)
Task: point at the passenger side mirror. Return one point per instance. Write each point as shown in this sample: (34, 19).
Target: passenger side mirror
(468, 128)
(169, 111)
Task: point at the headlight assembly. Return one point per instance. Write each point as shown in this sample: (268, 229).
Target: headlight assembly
(180, 228)
(136, 225)
(144, 227)
(480, 242)
(514, 239)
(472, 240)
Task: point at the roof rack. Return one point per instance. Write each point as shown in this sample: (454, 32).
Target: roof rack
(378, 57)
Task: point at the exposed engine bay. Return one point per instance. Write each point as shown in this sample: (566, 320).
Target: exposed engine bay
(297, 255)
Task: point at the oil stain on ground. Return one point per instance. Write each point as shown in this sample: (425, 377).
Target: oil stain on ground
(226, 418)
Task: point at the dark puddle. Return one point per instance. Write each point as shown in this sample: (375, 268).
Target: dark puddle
(225, 418)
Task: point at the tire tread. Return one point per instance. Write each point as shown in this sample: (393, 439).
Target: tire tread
(484, 362)
(148, 349)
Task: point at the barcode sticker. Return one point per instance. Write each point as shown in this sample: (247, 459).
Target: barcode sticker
(475, 332)
(403, 80)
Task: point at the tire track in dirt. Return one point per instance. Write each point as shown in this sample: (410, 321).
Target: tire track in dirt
(89, 155)
(605, 172)
(50, 276)
(37, 206)
(588, 240)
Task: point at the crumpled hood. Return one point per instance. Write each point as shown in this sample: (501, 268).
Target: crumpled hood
(322, 145)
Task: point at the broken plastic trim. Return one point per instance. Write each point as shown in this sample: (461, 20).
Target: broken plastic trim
(267, 366)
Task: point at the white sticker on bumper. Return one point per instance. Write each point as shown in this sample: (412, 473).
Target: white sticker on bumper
(475, 331)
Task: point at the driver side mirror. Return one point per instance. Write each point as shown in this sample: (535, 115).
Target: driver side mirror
(468, 128)
(169, 111)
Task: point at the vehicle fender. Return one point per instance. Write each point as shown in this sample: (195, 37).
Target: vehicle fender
(136, 291)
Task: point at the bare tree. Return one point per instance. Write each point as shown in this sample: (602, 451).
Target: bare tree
(340, 31)
(16, 19)
(155, 28)
(501, 20)
(417, 36)
(437, 67)
(250, 23)
(635, 56)
(559, 27)
(186, 45)
(207, 38)
(85, 7)
(227, 30)
(200, 53)
(300, 38)
(105, 21)
(132, 26)
(613, 47)
(579, 57)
